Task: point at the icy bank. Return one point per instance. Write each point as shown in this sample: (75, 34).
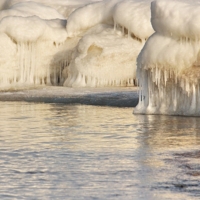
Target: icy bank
(168, 65)
(115, 96)
(86, 44)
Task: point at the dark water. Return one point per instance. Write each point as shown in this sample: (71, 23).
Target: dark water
(56, 151)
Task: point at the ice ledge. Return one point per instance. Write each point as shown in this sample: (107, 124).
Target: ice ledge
(119, 96)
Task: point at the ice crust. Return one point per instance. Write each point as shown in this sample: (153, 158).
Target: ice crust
(168, 64)
(75, 43)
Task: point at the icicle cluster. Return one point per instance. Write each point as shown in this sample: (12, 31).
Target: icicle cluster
(75, 43)
(133, 17)
(33, 45)
(169, 64)
(103, 59)
(105, 56)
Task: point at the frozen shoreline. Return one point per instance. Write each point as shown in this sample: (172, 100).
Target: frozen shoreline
(117, 96)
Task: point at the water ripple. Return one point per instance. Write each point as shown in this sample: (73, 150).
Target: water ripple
(57, 151)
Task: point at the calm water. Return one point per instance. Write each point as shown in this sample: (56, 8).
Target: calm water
(56, 151)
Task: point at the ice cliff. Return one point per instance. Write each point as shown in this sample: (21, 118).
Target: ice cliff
(169, 64)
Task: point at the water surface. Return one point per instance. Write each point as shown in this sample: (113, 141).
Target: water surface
(57, 151)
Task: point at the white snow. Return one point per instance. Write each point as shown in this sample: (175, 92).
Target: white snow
(103, 58)
(27, 9)
(75, 43)
(65, 7)
(178, 19)
(106, 52)
(135, 17)
(168, 65)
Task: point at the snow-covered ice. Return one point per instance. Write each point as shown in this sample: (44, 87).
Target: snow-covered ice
(168, 65)
(69, 43)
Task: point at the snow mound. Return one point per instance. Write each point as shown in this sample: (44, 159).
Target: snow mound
(169, 64)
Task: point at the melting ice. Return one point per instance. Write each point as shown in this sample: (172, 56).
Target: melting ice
(168, 65)
(72, 43)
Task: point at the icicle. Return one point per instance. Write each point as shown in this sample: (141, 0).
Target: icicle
(86, 79)
(165, 76)
(176, 76)
(193, 104)
(187, 87)
(48, 81)
(115, 25)
(159, 76)
(156, 75)
(131, 82)
(123, 30)
(175, 98)
(60, 73)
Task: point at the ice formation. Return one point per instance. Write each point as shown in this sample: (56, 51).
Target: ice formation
(112, 34)
(169, 64)
(65, 7)
(28, 45)
(134, 17)
(74, 43)
(103, 59)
